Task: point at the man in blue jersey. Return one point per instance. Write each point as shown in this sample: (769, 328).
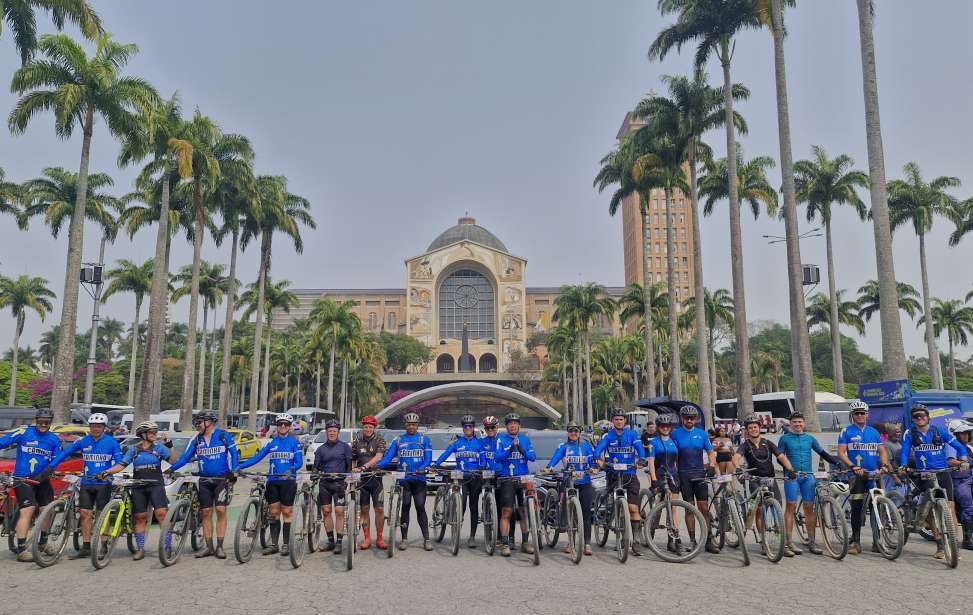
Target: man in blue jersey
(100, 452)
(514, 450)
(578, 457)
(860, 447)
(468, 453)
(697, 459)
(36, 448)
(414, 452)
(622, 445)
(218, 458)
(286, 459)
(489, 445)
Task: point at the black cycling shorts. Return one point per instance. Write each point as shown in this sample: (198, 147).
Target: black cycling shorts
(40, 494)
(94, 496)
(213, 492)
(331, 492)
(153, 494)
(945, 479)
(371, 492)
(754, 486)
(692, 488)
(511, 494)
(282, 491)
(631, 484)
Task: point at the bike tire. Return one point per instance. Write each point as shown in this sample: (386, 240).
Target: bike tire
(551, 518)
(439, 513)
(645, 505)
(489, 521)
(247, 528)
(196, 539)
(739, 530)
(533, 520)
(623, 529)
(351, 532)
(947, 529)
(773, 524)
(55, 516)
(891, 538)
(395, 511)
(603, 514)
(313, 523)
(800, 521)
(834, 527)
(661, 518)
(175, 529)
(456, 522)
(102, 545)
(575, 528)
(297, 541)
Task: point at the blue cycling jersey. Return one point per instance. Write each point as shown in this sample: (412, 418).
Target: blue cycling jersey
(35, 450)
(285, 455)
(99, 455)
(692, 444)
(414, 453)
(577, 457)
(489, 446)
(929, 454)
(468, 452)
(665, 454)
(146, 463)
(798, 449)
(216, 457)
(624, 448)
(512, 459)
(862, 443)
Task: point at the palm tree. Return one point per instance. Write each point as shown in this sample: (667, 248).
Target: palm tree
(76, 88)
(719, 309)
(561, 348)
(821, 183)
(22, 20)
(53, 196)
(27, 355)
(277, 296)
(766, 371)
(129, 277)
(632, 304)
(957, 320)
(849, 314)
(916, 201)
(47, 349)
(331, 320)
(21, 294)
(110, 331)
(12, 199)
(209, 286)
(712, 25)
(869, 299)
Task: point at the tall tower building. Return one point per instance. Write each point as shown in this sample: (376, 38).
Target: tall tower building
(634, 227)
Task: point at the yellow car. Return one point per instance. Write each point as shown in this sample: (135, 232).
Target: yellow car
(80, 430)
(247, 443)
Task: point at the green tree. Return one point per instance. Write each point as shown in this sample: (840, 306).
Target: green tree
(22, 294)
(819, 313)
(209, 286)
(403, 352)
(956, 319)
(77, 88)
(276, 296)
(869, 299)
(719, 312)
(54, 194)
(331, 321)
(21, 18)
(12, 199)
(129, 277)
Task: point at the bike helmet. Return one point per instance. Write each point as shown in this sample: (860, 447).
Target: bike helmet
(208, 415)
(751, 419)
(572, 425)
(689, 412)
(959, 426)
(857, 406)
(332, 424)
(617, 412)
(284, 418)
(919, 409)
(44, 413)
(412, 417)
(491, 421)
(370, 420)
(467, 420)
(668, 419)
(145, 427)
(98, 419)
(510, 418)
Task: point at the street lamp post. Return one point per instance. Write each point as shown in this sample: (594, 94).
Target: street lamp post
(91, 275)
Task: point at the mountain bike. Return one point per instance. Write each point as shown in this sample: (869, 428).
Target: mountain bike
(254, 520)
(562, 513)
(9, 511)
(62, 519)
(352, 519)
(115, 519)
(828, 513)
(915, 511)
(662, 516)
(488, 511)
(729, 528)
(760, 500)
(888, 531)
(449, 503)
(610, 514)
(304, 519)
(533, 515)
(184, 520)
(393, 507)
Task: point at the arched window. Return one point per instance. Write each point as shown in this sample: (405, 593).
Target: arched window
(467, 297)
(488, 363)
(392, 322)
(372, 321)
(445, 364)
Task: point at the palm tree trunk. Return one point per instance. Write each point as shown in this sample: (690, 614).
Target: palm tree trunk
(952, 361)
(838, 364)
(297, 392)
(133, 363)
(935, 368)
(674, 358)
(265, 387)
(64, 360)
(317, 382)
(152, 362)
(578, 387)
(744, 385)
(212, 361)
(13, 365)
(893, 351)
(331, 378)
(258, 332)
(587, 375)
(228, 329)
(712, 371)
(189, 372)
(287, 382)
(646, 299)
(699, 291)
(201, 385)
(800, 340)
(564, 392)
(344, 392)
(161, 334)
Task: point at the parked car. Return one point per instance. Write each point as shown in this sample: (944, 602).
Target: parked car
(78, 430)
(345, 435)
(247, 442)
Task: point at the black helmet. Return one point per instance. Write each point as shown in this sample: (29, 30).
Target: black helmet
(332, 424)
(917, 408)
(666, 419)
(689, 412)
(44, 413)
(617, 412)
(467, 420)
(513, 416)
(208, 415)
(751, 419)
(572, 425)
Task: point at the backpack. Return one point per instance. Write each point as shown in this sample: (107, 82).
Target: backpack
(937, 438)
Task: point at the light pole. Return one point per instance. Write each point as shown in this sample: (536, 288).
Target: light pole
(814, 232)
(91, 275)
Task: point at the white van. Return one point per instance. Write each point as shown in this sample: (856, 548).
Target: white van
(166, 421)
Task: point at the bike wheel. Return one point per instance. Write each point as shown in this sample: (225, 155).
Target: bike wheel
(297, 542)
(10, 523)
(439, 513)
(455, 521)
(947, 529)
(800, 521)
(575, 528)
(645, 506)
(57, 516)
(247, 528)
(834, 526)
(665, 516)
(622, 527)
(395, 511)
(601, 519)
(489, 520)
(176, 528)
(551, 518)
(533, 521)
(774, 532)
(891, 534)
(103, 535)
(313, 524)
(196, 540)
(351, 532)
(739, 529)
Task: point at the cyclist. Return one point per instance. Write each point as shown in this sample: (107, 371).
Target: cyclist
(759, 455)
(648, 432)
(962, 482)
(366, 451)
(489, 445)
(414, 452)
(36, 448)
(468, 453)
(860, 447)
(622, 445)
(218, 459)
(286, 458)
(797, 445)
(693, 444)
(146, 457)
(333, 457)
(578, 457)
(513, 452)
(100, 452)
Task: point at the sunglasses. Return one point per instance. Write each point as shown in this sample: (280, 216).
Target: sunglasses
(859, 413)
(921, 415)
(574, 431)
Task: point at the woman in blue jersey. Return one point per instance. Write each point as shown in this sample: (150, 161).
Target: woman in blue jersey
(578, 457)
(663, 454)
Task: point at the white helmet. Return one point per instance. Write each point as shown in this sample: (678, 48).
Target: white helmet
(857, 406)
(284, 417)
(959, 426)
(98, 419)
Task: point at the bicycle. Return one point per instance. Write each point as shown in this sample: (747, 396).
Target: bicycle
(9, 511)
(662, 516)
(915, 510)
(730, 528)
(562, 512)
(352, 517)
(183, 520)
(117, 517)
(488, 511)
(304, 519)
(393, 509)
(449, 503)
(532, 511)
(829, 515)
(610, 514)
(62, 519)
(884, 516)
(762, 501)
(254, 520)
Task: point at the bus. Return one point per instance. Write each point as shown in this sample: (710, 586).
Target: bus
(777, 408)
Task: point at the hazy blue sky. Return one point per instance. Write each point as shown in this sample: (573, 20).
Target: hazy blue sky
(395, 118)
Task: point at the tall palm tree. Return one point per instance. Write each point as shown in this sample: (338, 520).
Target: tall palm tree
(54, 194)
(712, 25)
(632, 304)
(22, 294)
(129, 277)
(869, 299)
(956, 319)
(820, 183)
(12, 199)
(913, 200)
(330, 321)
(209, 287)
(21, 18)
(754, 187)
(77, 87)
(277, 296)
(719, 310)
(47, 348)
(819, 312)
(561, 348)
(893, 350)
(110, 331)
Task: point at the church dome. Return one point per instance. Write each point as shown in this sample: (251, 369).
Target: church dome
(467, 230)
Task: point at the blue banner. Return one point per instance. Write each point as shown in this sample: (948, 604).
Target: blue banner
(890, 391)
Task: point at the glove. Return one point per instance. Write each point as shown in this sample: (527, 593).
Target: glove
(656, 485)
(102, 476)
(230, 476)
(790, 474)
(710, 472)
(45, 474)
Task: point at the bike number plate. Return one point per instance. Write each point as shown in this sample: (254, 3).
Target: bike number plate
(303, 477)
(600, 482)
(456, 475)
(354, 477)
(71, 478)
(398, 475)
(122, 482)
(191, 480)
(724, 478)
(768, 482)
(527, 479)
(619, 467)
(489, 473)
(822, 475)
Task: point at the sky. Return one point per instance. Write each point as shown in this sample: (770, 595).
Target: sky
(396, 118)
